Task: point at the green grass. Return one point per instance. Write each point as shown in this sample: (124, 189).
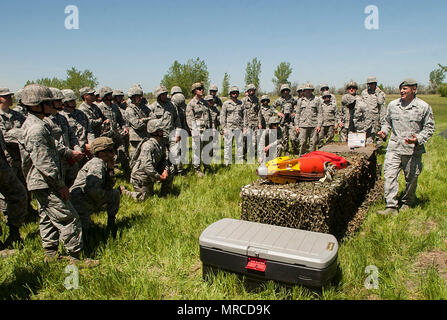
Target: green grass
(156, 252)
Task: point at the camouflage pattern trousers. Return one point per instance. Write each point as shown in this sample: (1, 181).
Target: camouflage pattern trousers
(307, 134)
(58, 220)
(327, 132)
(411, 166)
(13, 197)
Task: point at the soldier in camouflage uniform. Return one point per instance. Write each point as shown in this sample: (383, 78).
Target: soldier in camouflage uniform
(217, 101)
(232, 122)
(93, 189)
(179, 101)
(308, 119)
(411, 124)
(20, 107)
(266, 111)
(286, 103)
(325, 87)
(329, 120)
(118, 99)
(58, 218)
(251, 120)
(151, 164)
(114, 127)
(300, 92)
(375, 99)
(354, 114)
(136, 116)
(91, 110)
(164, 110)
(198, 117)
(215, 124)
(272, 141)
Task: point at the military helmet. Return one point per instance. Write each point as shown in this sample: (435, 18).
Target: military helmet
(265, 97)
(159, 91)
(101, 144)
(285, 86)
(104, 91)
(57, 94)
(117, 92)
(196, 85)
(308, 86)
(326, 94)
(178, 99)
(251, 86)
(371, 80)
(18, 94)
(274, 120)
(5, 92)
(408, 82)
(213, 87)
(352, 84)
(299, 88)
(69, 95)
(154, 125)
(86, 90)
(176, 89)
(35, 94)
(134, 91)
(209, 98)
(324, 85)
(234, 89)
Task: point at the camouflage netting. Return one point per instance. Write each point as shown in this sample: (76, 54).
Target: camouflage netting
(337, 207)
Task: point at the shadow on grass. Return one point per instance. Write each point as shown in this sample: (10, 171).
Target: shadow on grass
(24, 283)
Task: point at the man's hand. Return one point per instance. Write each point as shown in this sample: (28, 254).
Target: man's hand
(177, 138)
(412, 140)
(318, 129)
(381, 134)
(281, 114)
(297, 130)
(77, 155)
(164, 175)
(64, 193)
(266, 149)
(340, 125)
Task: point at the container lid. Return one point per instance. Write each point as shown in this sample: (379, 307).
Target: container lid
(281, 244)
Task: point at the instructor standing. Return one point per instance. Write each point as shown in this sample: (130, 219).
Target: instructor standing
(410, 121)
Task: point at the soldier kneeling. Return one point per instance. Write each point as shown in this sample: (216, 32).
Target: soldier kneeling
(150, 164)
(93, 188)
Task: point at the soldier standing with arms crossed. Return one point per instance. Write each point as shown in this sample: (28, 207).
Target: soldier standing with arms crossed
(375, 99)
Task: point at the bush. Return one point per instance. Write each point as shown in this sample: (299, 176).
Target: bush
(442, 90)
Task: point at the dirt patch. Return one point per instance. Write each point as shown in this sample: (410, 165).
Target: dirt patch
(435, 258)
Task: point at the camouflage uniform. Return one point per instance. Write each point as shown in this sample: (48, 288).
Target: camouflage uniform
(217, 100)
(136, 118)
(232, 121)
(403, 121)
(265, 113)
(354, 116)
(198, 117)
(328, 126)
(10, 124)
(58, 218)
(270, 133)
(251, 107)
(178, 100)
(376, 104)
(309, 116)
(20, 108)
(95, 117)
(287, 106)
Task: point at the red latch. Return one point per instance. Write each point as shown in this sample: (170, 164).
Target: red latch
(256, 264)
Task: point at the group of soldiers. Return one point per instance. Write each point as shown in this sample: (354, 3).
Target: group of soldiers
(65, 155)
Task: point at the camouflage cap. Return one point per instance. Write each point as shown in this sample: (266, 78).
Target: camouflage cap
(299, 88)
(408, 82)
(308, 86)
(285, 86)
(178, 99)
(35, 94)
(274, 120)
(265, 97)
(371, 80)
(134, 91)
(57, 94)
(69, 95)
(86, 90)
(352, 84)
(159, 91)
(209, 98)
(104, 91)
(234, 89)
(196, 85)
(153, 125)
(326, 94)
(176, 89)
(213, 87)
(101, 144)
(117, 92)
(5, 92)
(324, 85)
(251, 86)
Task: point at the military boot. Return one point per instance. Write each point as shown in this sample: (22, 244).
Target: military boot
(75, 259)
(111, 225)
(14, 237)
(388, 211)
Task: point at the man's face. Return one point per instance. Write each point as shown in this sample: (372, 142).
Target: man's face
(285, 93)
(71, 104)
(198, 92)
(118, 99)
(352, 90)
(90, 98)
(251, 92)
(213, 92)
(210, 103)
(136, 99)
(407, 93)
(48, 108)
(163, 97)
(372, 86)
(327, 99)
(58, 105)
(307, 93)
(6, 101)
(107, 99)
(234, 95)
(265, 102)
(300, 94)
(324, 89)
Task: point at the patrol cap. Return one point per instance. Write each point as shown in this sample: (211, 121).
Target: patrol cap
(153, 125)
(176, 89)
(265, 97)
(134, 91)
(274, 120)
(352, 84)
(5, 92)
(117, 92)
(35, 94)
(101, 144)
(86, 90)
(104, 91)
(57, 94)
(308, 86)
(234, 89)
(209, 98)
(251, 86)
(213, 87)
(69, 95)
(285, 86)
(408, 82)
(371, 80)
(326, 94)
(196, 85)
(159, 91)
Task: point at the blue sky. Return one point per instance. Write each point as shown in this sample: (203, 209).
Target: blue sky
(127, 42)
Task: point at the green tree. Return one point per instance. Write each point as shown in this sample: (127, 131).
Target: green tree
(252, 72)
(48, 82)
(282, 74)
(184, 75)
(225, 84)
(436, 78)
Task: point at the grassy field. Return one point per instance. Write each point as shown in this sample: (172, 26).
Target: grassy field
(156, 252)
